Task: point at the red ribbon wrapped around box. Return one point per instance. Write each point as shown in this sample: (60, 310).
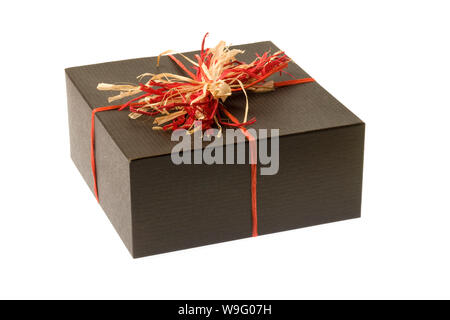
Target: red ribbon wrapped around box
(178, 101)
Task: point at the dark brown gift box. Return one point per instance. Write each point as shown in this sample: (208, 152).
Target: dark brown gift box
(157, 206)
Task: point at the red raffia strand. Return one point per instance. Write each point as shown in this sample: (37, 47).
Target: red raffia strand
(178, 101)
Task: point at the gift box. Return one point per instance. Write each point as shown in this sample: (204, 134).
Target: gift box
(158, 206)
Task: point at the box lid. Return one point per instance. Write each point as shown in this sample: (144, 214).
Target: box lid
(295, 109)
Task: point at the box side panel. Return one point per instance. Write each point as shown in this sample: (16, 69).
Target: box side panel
(178, 207)
(319, 180)
(112, 166)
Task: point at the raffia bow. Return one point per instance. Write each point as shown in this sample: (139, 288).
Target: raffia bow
(177, 101)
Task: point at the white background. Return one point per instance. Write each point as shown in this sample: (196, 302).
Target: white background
(388, 61)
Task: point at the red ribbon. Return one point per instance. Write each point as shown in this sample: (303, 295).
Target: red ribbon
(134, 107)
(253, 156)
(251, 139)
(248, 135)
(94, 172)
